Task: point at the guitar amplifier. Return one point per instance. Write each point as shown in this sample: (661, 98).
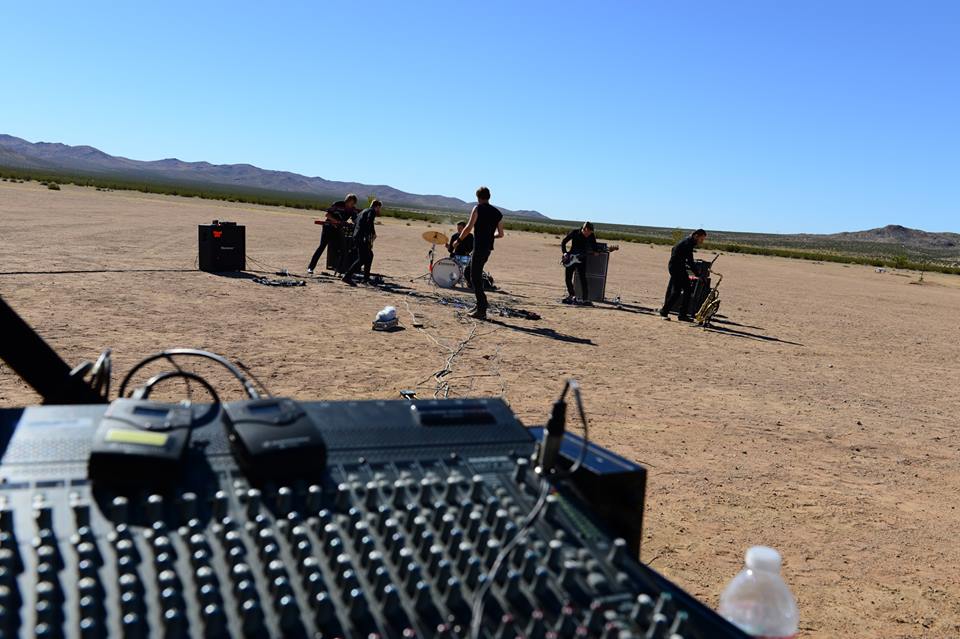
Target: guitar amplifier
(222, 247)
(341, 251)
(596, 276)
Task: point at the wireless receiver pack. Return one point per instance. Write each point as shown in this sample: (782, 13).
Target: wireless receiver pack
(139, 441)
(274, 438)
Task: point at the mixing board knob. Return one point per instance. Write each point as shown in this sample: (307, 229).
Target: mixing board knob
(426, 491)
(372, 497)
(540, 576)
(43, 515)
(555, 554)
(357, 602)
(550, 510)
(453, 541)
(423, 602)
(520, 470)
(491, 551)
(512, 589)
(252, 617)
(413, 577)
(642, 610)
(617, 552)
(399, 493)
(472, 572)
(221, 504)
(451, 490)
(381, 577)
(566, 621)
(476, 488)
(314, 498)
(391, 601)
(483, 536)
(501, 518)
(343, 496)
(253, 499)
(403, 558)
(284, 500)
(154, 507)
(118, 509)
(214, 620)
(658, 626)
(188, 506)
(474, 521)
(173, 623)
(463, 554)
(89, 628)
(132, 626)
(537, 626)
(323, 609)
(424, 543)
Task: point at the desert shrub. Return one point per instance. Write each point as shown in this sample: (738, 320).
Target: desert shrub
(53, 186)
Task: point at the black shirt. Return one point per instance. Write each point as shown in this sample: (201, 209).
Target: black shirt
(465, 247)
(579, 243)
(338, 211)
(682, 254)
(488, 217)
(364, 231)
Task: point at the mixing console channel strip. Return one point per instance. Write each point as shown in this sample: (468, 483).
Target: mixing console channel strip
(392, 536)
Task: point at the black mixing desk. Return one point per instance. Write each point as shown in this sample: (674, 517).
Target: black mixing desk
(393, 535)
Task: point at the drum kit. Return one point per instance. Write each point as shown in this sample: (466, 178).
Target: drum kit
(446, 272)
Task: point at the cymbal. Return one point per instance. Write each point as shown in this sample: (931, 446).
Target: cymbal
(435, 237)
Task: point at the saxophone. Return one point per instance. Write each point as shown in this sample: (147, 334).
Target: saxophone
(710, 306)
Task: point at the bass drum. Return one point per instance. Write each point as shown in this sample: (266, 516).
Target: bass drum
(446, 273)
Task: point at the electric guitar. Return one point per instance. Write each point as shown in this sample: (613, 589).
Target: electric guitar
(569, 259)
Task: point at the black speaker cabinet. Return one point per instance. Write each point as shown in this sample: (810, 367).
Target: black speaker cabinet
(701, 288)
(596, 277)
(341, 251)
(223, 247)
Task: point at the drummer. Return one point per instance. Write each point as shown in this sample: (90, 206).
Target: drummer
(461, 252)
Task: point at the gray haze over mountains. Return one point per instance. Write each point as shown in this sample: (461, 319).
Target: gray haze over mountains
(86, 160)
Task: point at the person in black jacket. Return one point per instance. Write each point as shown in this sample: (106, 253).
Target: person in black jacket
(681, 258)
(339, 213)
(486, 224)
(581, 241)
(363, 236)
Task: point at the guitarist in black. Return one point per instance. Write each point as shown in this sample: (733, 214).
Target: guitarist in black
(582, 241)
(340, 212)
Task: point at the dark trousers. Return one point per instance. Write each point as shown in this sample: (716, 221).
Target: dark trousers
(679, 287)
(325, 236)
(581, 270)
(364, 260)
(476, 277)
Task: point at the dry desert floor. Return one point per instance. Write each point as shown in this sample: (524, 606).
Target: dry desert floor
(819, 418)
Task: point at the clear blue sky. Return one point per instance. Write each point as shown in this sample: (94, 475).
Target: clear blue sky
(764, 115)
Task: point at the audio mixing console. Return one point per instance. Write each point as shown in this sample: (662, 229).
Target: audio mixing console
(364, 519)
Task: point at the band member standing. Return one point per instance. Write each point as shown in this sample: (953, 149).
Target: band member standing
(486, 224)
(581, 241)
(342, 211)
(464, 248)
(363, 236)
(681, 258)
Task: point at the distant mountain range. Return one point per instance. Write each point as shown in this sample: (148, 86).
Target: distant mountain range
(86, 160)
(896, 234)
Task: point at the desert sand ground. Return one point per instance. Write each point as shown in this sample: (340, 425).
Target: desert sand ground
(819, 418)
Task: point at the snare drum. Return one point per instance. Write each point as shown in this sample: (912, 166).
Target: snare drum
(446, 273)
(463, 261)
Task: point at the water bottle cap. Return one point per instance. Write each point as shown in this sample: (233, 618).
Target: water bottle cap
(763, 558)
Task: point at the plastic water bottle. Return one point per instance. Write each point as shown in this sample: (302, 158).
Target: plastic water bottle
(758, 601)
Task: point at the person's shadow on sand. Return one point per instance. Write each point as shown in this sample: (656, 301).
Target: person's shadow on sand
(542, 332)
